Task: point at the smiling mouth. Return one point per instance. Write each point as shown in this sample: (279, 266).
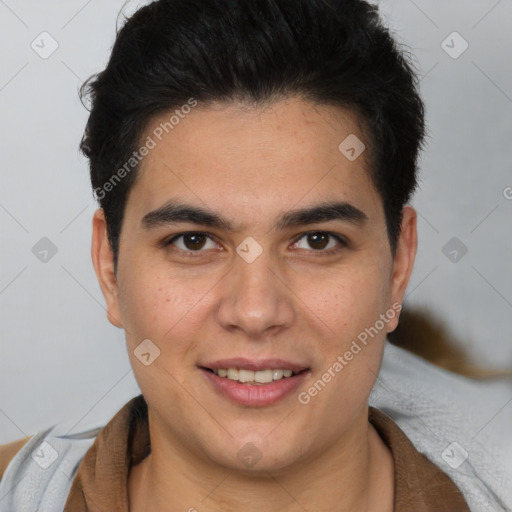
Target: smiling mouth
(260, 377)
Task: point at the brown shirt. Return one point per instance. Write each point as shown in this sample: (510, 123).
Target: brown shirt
(101, 482)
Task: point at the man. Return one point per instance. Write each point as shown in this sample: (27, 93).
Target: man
(253, 161)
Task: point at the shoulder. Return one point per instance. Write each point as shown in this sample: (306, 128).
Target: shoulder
(42, 468)
(44, 464)
(442, 414)
(414, 475)
(8, 451)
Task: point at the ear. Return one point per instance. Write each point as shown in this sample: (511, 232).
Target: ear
(404, 260)
(103, 261)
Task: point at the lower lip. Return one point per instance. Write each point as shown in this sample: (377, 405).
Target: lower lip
(253, 395)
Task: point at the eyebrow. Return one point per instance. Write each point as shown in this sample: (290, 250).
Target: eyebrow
(173, 212)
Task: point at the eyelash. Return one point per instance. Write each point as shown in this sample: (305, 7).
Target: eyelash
(319, 252)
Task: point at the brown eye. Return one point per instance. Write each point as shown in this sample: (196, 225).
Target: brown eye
(318, 240)
(194, 241)
(322, 242)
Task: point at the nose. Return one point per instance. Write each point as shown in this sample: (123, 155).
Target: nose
(255, 298)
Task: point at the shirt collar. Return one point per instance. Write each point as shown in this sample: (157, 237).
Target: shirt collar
(101, 483)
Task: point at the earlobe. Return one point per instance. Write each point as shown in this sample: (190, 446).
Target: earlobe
(404, 260)
(103, 261)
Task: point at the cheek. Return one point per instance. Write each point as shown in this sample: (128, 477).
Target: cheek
(155, 306)
(344, 318)
(346, 301)
(165, 311)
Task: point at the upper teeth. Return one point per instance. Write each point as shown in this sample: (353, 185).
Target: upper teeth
(261, 376)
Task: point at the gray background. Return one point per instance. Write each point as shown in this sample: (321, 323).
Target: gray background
(60, 359)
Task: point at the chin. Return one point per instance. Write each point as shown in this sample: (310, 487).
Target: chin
(256, 458)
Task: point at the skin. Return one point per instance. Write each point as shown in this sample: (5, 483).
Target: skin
(251, 165)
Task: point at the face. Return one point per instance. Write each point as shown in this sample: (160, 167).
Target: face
(251, 243)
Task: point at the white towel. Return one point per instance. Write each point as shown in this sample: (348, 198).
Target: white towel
(463, 426)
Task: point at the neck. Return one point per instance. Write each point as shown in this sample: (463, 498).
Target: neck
(355, 474)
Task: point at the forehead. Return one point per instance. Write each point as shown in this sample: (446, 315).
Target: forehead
(257, 160)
